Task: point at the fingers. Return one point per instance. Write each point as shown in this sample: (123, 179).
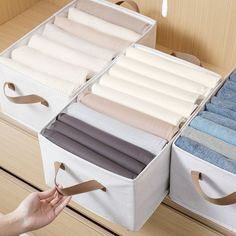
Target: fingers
(61, 204)
(47, 194)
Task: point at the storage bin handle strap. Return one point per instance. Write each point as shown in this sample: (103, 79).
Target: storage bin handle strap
(84, 187)
(132, 3)
(28, 99)
(226, 200)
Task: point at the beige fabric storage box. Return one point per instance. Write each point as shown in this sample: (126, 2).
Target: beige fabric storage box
(35, 116)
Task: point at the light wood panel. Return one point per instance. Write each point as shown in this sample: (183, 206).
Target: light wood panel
(205, 28)
(11, 8)
(69, 223)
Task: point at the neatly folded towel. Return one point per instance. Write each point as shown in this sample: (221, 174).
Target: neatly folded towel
(221, 111)
(123, 146)
(67, 39)
(170, 103)
(219, 119)
(214, 129)
(217, 101)
(131, 76)
(161, 75)
(206, 154)
(49, 65)
(85, 153)
(92, 35)
(211, 142)
(116, 128)
(131, 117)
(63, 53)
(99, 147)
(198, 75)
(227, 94)
(64, 87)
(102, 25)
(138, 104)
(113, 15)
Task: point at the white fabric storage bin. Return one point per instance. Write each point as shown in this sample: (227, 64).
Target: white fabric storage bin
(35, 116)
(214, 182)
(127, 202)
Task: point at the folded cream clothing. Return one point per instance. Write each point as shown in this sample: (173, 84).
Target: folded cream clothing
(63, 53)
(49, 65)
(198, 75)
(112, 15)
(58, 35)
(130, 116)
(131, 76)
(118, 129)
(64, 87)
(102, 25)
(170, 103)
(161, 75)
(92, 35)
(138, 104)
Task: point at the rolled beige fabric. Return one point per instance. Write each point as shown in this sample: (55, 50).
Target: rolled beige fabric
(113, 15)
(138, 104)
(162, 75)
(92, 35)
(130, 116)
(201, 76)
(131, 76)
(170, 103)
(63, 53)
(64, 87)
(102, 25)
(49, 65)
(58, 35)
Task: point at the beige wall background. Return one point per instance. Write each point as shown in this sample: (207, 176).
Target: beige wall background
(205, 28)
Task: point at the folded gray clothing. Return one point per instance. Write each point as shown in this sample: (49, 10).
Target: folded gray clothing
(211, 142)
(129, 149)
(86, 153)
(109, 152)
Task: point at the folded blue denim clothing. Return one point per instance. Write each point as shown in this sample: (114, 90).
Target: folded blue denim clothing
(221, 120)
(211, 142)
(206, 154)
(220, 102)
(214, 129)
(233, 76)
(228, 94)
(221, 111)
(230, 85)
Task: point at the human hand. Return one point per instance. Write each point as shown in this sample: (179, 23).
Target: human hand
(40, 209)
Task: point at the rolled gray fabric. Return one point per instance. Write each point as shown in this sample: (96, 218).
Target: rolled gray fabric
(129, 149)
(109, 152)
(211, 142)
(86, 154)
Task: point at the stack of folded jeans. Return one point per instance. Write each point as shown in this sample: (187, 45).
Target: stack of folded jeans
(211, 135)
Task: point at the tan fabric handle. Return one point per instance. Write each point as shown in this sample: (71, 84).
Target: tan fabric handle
(133, 4)
(187, 57)
(87, 186)
(227, 200)
(28, 99)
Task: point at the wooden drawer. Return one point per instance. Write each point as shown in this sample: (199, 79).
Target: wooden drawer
(68, 222)
(20, 154)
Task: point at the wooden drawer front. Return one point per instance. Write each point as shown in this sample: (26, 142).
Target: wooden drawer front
(20, 154)
(68, 222)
